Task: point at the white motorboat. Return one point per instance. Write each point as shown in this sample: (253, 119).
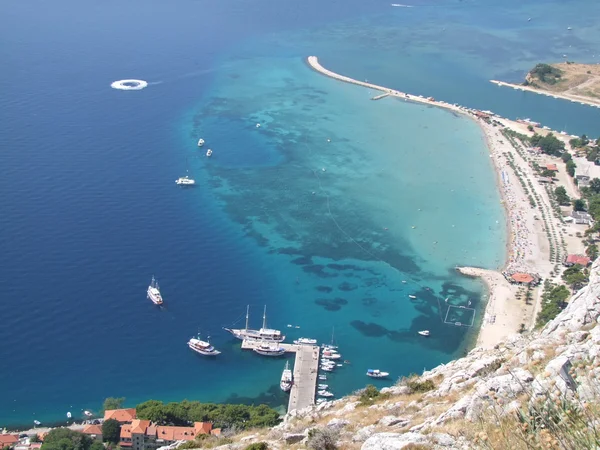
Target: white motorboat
(88, 413)
(322, 386)
(424, 332)
(37, 422)
(324, 393)
(327, 368)
(208, 152)
(264, 334)
(305, 341)
(376, 373)
(331, 355)
(322, 377)
(269, 349)
(203, 347)
(200, 142)
(69, 415)
(412, 296)
(154, 292)
(286, 378)
(185, 181)
(258, 125)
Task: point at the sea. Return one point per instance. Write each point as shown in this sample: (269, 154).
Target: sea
(331, 213)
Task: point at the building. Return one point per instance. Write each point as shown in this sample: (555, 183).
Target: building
(8, 440)
(552, 167)
(521, 278)
(582, 180)
(581, 217)
(126, 415)
(93, 431)
(571, 260)
(144, 435)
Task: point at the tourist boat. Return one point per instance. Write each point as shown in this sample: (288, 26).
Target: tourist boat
(154, 292)
(305, 341)
(208, 152)
(185, 181)
(269, 349)
(322, 386)
(424, 332)
(324, 393)
(200, 142)
(412, 296)
(377, 373)
(203, 347)
(286, 378)
(87, 413)
(264, 334)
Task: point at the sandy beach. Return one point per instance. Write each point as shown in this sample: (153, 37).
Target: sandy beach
(535, 234)
(570, 97)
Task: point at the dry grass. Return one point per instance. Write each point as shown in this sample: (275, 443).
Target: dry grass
(576, 79)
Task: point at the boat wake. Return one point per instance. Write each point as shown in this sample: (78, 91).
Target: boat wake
(129, 85)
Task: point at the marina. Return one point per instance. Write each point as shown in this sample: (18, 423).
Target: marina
(306, 367)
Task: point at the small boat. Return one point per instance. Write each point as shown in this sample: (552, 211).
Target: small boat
(200, 142)
(424, 332)
(258, 125)
(327, 368)
(377, 373)
(269, 349)
(154, 292)
(322, 377)
(289, 325)
(37, 422)
(202, 347)
(404, 281)
(327, 364)
(412, 296)
(88, 413)
(208, 152)
(185, 181)
(286, 378)
(69, 415)
(324, 393)
(323, 386)
(305, 341)
(331, 355)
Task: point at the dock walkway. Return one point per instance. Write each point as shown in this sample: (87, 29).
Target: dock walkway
(306, 368)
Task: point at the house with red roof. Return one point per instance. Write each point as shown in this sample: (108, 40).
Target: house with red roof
(521, 278)
(552, 167)
(125, 415)
(144, 435)
(8, 440)
(93, 431)
(571, 260)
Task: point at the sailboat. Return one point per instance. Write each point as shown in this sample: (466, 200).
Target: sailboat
(185, 181)
(264, 334)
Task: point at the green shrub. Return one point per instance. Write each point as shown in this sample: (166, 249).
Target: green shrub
(322, 439)
(420, 386)
(258, 446)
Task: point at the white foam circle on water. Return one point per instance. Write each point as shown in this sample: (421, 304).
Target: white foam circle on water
(129, 85)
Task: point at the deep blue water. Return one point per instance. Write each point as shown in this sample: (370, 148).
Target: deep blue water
(90, 211)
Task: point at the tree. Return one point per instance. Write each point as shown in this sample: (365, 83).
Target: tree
(97, 446)
(594, 185)
(549, 144)
(592, 251)
(571, 168)
(66, 439)
(548, 173)
(574, 276)
(111, 431)
(561, 196)
(553, 302)
(578, 205)
(113, 403)
(530, 127)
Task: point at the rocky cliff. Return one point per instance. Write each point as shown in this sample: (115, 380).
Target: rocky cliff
(537, 390)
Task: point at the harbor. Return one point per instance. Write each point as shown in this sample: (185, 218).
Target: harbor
(306, 367)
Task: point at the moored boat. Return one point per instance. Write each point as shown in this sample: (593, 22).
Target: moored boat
(203, 347)
(322, 386)
(324, 393)
(305, 341)
(264, 334)
(88, 413)
(328, 354)
(286, 378)
(208, 152)
(376, 373)
(424, 332)
(154, 292)
(322, 377)
(185, 181)
(269, 349)
(200, 142)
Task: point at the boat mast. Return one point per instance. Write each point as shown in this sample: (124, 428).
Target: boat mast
(247, 312)
(265, 317)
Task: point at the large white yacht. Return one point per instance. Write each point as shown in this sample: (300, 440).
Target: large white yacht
(154, 292)
(286, 378)
(202, 347)
(264, 334)
(185, 181)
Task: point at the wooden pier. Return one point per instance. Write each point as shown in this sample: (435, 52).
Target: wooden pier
(306, 370)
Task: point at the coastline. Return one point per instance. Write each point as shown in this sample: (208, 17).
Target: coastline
(504, 314)
(569, 97)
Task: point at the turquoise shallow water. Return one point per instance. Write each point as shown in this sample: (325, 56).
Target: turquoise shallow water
(91, 210)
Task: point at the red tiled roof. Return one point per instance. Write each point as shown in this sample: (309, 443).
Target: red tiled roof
(139, 426)
(522, 277)
(42, 435)
(8, 439)
(126, 431)
(176, 433)
(93, 429)
(552, 167)
(202, 428)
(121, 415)
(578, 259)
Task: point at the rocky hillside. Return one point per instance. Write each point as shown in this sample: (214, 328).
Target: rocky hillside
(539, 390)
